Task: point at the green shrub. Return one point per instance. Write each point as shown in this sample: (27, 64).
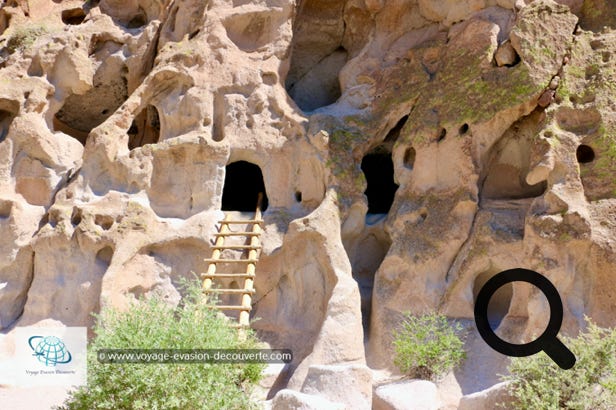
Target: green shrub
(428, 346)
(152, 324)
(536, 382)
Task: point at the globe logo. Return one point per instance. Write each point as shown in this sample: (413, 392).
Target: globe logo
(49, 350)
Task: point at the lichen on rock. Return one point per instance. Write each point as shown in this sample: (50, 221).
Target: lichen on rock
(491, 124)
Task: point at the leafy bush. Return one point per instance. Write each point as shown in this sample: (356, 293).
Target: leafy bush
(428, 346)
(152, 324)
(536, 382)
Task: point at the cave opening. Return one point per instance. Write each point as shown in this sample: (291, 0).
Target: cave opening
(80, 114)
(74, 16)
(145, 129)
(5, 21)
(6, 118)
(139, 20)
(243, 183)
(378, 168)
(508, 164)
(319, 86)
(499, 304)
(585, 154)
(409, 157)
(318, 54)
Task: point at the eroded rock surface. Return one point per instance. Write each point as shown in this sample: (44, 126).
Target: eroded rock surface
(489, 127)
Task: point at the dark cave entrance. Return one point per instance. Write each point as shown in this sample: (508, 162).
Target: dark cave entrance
(6, 119)
(378, 168)
(243, 183)
(74, 16)
(145, 129)
(374, 243)
(585, 154)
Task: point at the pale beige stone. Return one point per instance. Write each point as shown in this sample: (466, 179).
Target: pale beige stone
(117, 122)
(487, 399)
(347, 384)
(292, 400)
(406, 395)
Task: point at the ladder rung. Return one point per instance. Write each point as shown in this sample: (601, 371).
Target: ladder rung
(231, 291)
(238, 326)
(237, 247)
(243, 233)
(231, 260)
(231, 307)
(227, 275)
(251, 221)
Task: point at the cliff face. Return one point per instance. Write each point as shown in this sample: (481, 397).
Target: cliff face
(483, 130)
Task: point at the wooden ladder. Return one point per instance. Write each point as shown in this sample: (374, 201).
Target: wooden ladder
(252, 236)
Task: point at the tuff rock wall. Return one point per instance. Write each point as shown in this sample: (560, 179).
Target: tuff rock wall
(117, 119)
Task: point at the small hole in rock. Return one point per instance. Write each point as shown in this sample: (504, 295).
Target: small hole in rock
(193, 34)
(76, 216)
(53, 218)
(6, 119)
(145, 129)
(298, 196)
(442, 134)
(104, 221)
(585, 154)
(605, 56)
(139, 20)
(105, 255)
(269, 78)
(73, 16)
(463, 129)
(409, 157)
(595, 44)
(5, 209)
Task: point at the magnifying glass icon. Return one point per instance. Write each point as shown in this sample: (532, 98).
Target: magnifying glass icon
(548, 342)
